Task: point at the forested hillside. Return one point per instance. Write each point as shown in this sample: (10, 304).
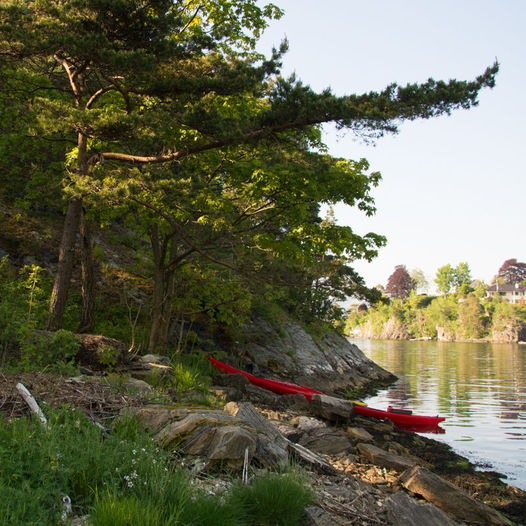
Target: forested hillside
(156, 171)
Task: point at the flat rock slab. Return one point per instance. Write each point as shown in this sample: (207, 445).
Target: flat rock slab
(448, 497)
(331, 408)
(176, 431)
(403, 510)
(359, 433)
(155, 417)
(326, 440)
(382, 458)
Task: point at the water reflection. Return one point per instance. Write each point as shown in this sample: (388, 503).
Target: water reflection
(479, 388)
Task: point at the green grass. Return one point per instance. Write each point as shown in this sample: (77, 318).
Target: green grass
(276, 500)
(123, 479)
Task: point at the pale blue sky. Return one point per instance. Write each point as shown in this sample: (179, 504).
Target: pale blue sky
(453, 188)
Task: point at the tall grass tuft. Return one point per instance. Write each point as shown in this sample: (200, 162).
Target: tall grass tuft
(276, 500)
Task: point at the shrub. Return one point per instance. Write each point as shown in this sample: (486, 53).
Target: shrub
(276, 500)
(55, 351)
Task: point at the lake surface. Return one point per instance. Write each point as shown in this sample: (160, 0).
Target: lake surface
(479, 387)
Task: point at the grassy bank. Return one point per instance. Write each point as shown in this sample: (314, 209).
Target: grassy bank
(124, 478)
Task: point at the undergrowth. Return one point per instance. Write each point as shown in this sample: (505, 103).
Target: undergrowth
(123, 478)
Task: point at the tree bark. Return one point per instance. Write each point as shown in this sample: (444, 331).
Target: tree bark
(59, 295)
(163, 290)
(87, 321)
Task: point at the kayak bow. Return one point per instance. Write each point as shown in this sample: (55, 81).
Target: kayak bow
(401, 417)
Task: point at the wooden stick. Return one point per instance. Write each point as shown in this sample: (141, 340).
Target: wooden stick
(31, 402)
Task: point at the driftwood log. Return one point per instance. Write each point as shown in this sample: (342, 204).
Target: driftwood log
(32, 403)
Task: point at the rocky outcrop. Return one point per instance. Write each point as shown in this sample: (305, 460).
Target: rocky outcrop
(445, 334)
(433, 488)
(331, 408)
(330, 364)
(394, 329)
(509, 332)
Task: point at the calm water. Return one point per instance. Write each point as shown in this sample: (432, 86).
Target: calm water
(480, 389)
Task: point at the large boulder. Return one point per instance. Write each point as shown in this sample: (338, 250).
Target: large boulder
(327, 441)
(331, 408)
(271, 445)
(329, 364)
(225, 445)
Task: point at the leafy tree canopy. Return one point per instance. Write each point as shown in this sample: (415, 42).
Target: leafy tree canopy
(400, 284)
(512, 271)
(126, 68)
(449, 278)
(419, 279)
(166, 103)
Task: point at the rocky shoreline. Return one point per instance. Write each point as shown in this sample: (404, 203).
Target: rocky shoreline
(363, 471)
(380, 472)
(394, 329)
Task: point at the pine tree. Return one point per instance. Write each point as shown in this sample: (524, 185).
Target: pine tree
(162, 82)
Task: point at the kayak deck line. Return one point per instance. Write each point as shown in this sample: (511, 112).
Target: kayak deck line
(401, 417)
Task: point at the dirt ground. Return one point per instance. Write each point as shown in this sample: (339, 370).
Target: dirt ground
(97, 400)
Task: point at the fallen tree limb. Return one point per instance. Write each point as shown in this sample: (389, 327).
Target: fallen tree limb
(31, 402)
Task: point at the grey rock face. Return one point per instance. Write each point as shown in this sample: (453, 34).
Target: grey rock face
(326, 440)
(331, 364)
(403, 510)
(331, 408)
(449, 498)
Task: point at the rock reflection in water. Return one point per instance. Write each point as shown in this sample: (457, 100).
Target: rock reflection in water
(480, 386)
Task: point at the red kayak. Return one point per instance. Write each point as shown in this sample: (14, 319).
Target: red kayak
(276, 386)
(400, 417)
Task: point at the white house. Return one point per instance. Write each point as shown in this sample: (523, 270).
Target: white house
(510, 293)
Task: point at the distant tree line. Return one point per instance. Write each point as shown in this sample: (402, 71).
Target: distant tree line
(464, 310)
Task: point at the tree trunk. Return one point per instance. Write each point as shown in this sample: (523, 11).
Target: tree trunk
(59, 295)
(87, 321)
(163, 293)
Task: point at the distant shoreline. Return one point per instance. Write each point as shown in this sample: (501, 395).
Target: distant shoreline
(430, 339)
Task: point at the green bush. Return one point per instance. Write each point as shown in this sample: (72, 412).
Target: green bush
(276, 500)
(54, 351)
(24, 296)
